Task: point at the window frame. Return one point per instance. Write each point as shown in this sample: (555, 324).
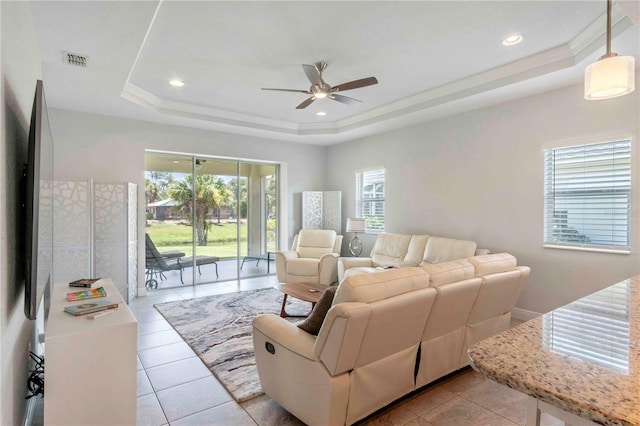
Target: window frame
(550, 199)
(361, 200)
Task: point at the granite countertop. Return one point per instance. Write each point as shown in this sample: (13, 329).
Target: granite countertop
(583, 357)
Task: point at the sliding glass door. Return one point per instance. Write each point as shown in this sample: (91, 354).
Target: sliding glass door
(209, 220)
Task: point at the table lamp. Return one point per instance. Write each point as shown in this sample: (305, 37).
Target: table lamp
(355, 225)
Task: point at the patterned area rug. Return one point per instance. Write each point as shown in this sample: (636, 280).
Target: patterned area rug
(218, 329)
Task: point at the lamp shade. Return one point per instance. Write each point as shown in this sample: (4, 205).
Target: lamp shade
(355, 225)
(609, 77)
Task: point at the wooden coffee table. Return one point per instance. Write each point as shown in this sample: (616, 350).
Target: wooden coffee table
(304, 291)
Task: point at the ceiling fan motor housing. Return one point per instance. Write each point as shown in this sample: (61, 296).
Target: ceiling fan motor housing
(320, 90)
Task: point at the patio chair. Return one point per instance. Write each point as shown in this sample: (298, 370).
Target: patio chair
(156, 263)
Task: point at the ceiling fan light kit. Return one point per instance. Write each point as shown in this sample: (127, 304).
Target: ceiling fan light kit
(320, 89)
(612, 75)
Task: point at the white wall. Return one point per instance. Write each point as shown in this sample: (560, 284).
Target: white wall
(479, 176)
(20, 70)
(110, 149)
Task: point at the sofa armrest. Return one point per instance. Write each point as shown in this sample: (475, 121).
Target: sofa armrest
(340, 337)
(282, 257)
(328, 268)
(286, 334)
(287, 254)
(345, 263)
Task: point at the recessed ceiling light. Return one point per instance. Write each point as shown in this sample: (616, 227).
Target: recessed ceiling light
(512, 40)
(175, 161)
(321, 113)
(176, 83)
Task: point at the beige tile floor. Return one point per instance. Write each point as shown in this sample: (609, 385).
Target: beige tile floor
(175, 388)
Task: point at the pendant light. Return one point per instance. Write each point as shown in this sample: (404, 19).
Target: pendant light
(612, 75)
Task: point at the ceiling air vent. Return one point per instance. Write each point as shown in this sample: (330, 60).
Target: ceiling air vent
(74, 59)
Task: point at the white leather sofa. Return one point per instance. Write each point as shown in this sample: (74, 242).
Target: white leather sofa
(313, 258)
(402, 250)
(386, 334)
(475, 299)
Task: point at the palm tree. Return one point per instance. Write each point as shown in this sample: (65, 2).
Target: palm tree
(225, 195)
(151, 191)
(156, 184)
(242, 206)
(208, 197)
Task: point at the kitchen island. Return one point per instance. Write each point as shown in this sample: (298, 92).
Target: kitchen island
(580, 362)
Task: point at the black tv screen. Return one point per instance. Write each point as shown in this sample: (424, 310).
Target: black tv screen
(38, 206)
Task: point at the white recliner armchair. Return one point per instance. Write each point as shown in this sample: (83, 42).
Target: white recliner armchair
(313, 258)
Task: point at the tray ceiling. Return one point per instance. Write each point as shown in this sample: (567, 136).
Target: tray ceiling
(430, 58)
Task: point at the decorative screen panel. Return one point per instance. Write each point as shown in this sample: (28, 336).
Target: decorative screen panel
(95, 233)
(322, 210)
(110, 234)
(71, 231)
(332, 210)
(132, 227)
(312, 210)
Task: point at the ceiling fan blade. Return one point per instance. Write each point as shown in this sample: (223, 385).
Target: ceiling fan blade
(312, 74)
(289, 90)
(306, 103)
(363, 82)
(344, 99)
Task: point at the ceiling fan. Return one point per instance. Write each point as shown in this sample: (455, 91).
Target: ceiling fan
(320, 89)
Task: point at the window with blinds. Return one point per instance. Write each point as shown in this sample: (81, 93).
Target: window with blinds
(370, 199)
(587, 196)
(594, 329)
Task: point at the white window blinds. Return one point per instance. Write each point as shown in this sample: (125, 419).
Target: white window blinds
(587, 196)
(370, 199)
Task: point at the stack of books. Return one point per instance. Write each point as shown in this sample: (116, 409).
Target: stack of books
(90, 306)
(94, 293)
(84, 282)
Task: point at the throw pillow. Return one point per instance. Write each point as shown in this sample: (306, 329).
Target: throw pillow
(315, 319)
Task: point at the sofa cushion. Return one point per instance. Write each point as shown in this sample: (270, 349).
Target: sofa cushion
(415, 251)
(440, 250)
(493, 263)
(314, 243)
(315, 319)
(390, 249)
(448, 272)
(368, 288)
(306, 266)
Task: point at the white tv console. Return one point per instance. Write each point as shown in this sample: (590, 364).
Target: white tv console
(90, 365)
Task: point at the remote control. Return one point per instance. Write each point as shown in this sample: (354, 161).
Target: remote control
(100, 314)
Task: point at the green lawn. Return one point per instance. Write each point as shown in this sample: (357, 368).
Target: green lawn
(177, 235)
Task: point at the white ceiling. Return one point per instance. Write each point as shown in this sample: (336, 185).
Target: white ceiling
(431, 59)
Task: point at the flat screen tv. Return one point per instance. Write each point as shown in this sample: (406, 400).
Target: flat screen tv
(38, 207)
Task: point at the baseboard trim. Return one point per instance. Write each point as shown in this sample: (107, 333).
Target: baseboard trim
(523, 314)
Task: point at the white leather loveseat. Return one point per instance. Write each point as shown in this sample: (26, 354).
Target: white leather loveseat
(402, 250)
(387, 334)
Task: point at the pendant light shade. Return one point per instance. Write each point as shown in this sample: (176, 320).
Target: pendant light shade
(609, 78)
(612, 75)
